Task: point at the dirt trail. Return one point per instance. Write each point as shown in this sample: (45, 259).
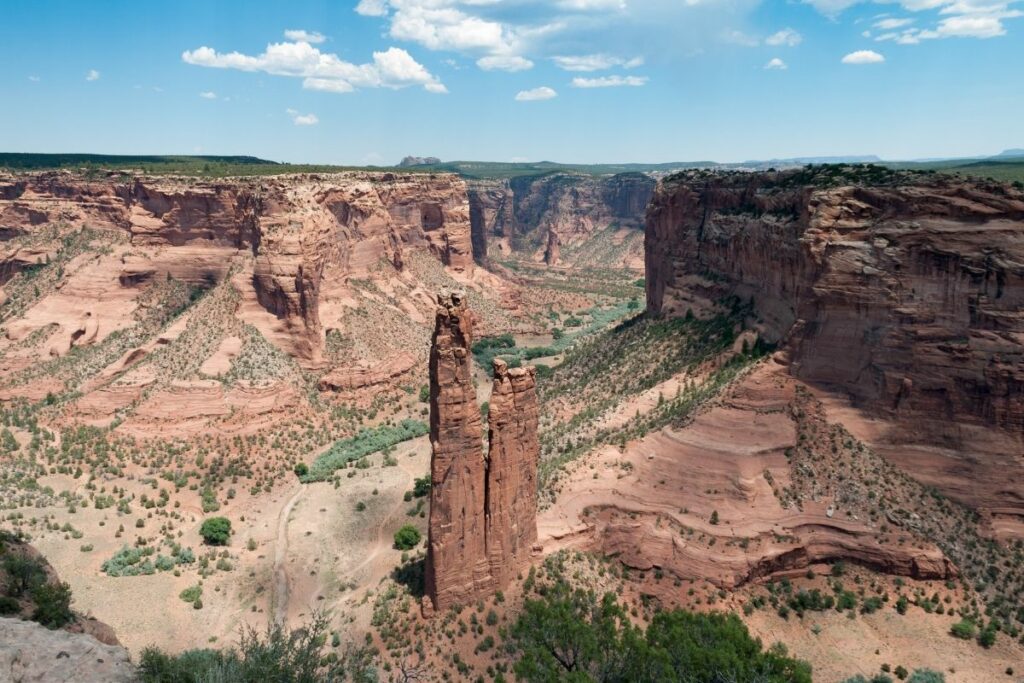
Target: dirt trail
(280, 552)
(381, 542)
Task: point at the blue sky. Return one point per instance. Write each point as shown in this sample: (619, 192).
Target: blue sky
(369, 81)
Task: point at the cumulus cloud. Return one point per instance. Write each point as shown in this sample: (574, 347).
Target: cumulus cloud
(863, 57)
(776, 64)
(610, 82)
(953, 18)
(324, 71)
(541, 93)
(208, 95)
(302, 119)
(786, 36)
(514, 35)
(596, 62)
(298, 35)
(92, 75)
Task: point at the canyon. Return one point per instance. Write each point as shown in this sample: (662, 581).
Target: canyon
(539, 215)
(828, 370)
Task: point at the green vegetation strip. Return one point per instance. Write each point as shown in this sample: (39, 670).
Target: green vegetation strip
(504, 346)
(362, 444)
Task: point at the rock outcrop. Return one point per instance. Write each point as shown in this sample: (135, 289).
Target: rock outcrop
(482, 510)
(30, 653)
(530, 213)
(903, 291)
(705, 501)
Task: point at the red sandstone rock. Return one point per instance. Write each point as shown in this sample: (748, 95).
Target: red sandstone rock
(457, 570)
(482, 513)
(512, 471)
(527, 211)
(907, 295)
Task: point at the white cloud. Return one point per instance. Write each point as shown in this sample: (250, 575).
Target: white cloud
(298, 35)
(372, 8)
(609, 82)
(504, 63)
(392, 68)
(589, 5)
(776, 64)
(891, 23)
(541, 93)
(595, 62)
(957, 18)
(92, 75)
(34, 79)
(966, 26)
(208, 95)
(302, 119)
(786, 36)
(863, 57)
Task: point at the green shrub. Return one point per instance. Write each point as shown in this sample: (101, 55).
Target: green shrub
(192, 593)
(407, 538)
(130, 562)
(926, 676)
(9, 605)
(275, 655)
(216, 530)
(987, 637)
(963, 629)
(24, 573)
(53, 605)
(421, 486)
(598, 640)
(301, 469)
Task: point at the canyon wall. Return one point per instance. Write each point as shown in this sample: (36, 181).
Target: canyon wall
(904, 292)
(282, 235)
(530, 213)
(482, 509)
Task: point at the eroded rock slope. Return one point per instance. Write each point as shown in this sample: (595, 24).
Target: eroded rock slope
(904, 292)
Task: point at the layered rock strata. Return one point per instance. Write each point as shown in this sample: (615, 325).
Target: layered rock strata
(284, 235)
(482, 509)
(903, 291)
(536, 214)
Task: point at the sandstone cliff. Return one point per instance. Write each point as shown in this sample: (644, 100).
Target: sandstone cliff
(903, 291)
(530, 213)
(482, 510)
(285, 234)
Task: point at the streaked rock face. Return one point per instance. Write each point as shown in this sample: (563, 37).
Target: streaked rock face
(482, 511)
(905, 292)
(532, 213)
(298, 229)
(512, 471)
(457, 569)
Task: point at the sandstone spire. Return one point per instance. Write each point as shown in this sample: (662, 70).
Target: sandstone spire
(482, 512)
(512, 471)
(457, 568)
